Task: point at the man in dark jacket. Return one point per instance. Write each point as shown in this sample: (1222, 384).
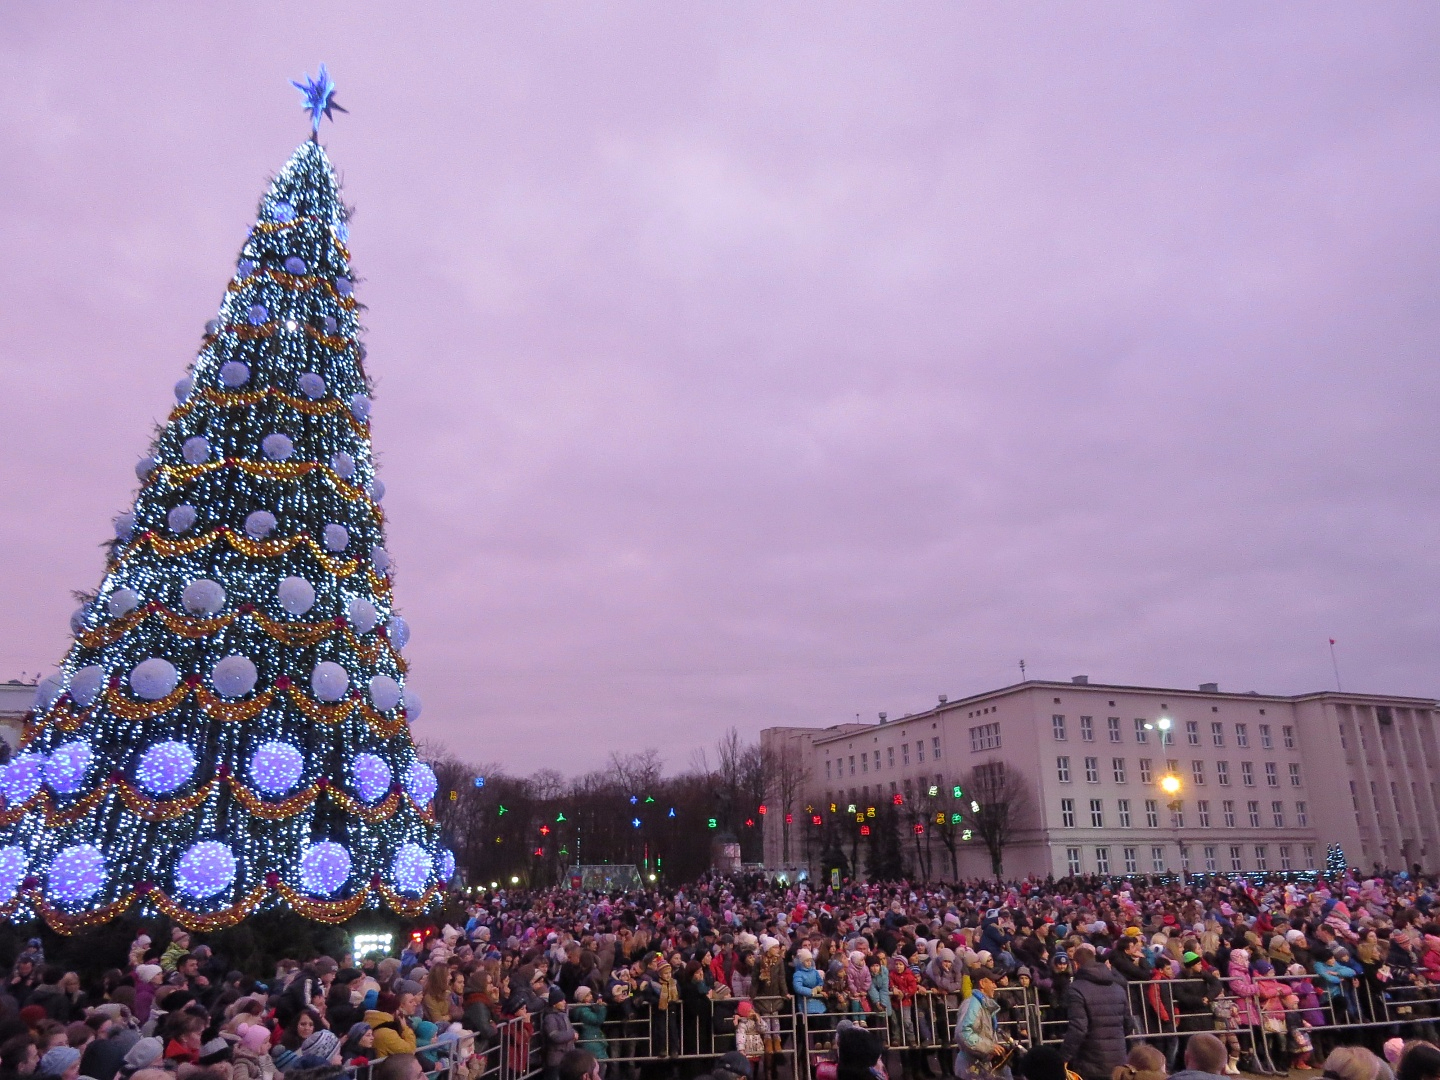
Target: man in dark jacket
(1099, 1018)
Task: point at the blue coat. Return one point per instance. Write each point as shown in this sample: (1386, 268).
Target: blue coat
(806, 981)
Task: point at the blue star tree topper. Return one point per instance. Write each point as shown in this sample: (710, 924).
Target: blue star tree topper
(317, 97)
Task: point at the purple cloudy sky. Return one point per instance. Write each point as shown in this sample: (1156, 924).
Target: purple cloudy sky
(750, 365)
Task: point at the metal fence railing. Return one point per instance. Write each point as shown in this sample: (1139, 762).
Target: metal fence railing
(1258, 1016)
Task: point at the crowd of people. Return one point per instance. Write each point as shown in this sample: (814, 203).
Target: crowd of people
(745, 979)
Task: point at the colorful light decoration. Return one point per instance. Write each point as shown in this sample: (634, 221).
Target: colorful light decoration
(814, 819)
(789, 819)
(671, 813)
(955, 819)
(445, 866)
(762, 809)
(544, 830)
(193, 697)
(933, 790)
(897, 799)
(635, 822)
(919, 829)
(205, 870)
(955, 792)
(711, 823)
(864, 830)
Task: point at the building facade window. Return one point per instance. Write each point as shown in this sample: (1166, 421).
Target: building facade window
(1247, 774)
(1145, 775)
(1067, 813)
(1097, 814)
(890, 756)
(1102, 860)
(984, 737)
(1132, 865)
(1294, 774)
(1302, 817)
(1152, 814)
(1242, 736)
(1117, 769)
(1277, 813)
(852, 764)
(1172, 767)
(827, 768)
(1062, 769)
(865, 762)
(1222, 773)
(1287, 736)
(935, 747)
(1202, 811)
(1072, 860)
(1272, 774)
(1112, 725)
(1266, 743)
(1210, 858)
(905, 753)
(1192, 732)
(1157, 859)
(1260, 862)
(1057, 727)
(1284, 856)
(1122, 807)
(1197, 773)
(1087, 729)
(1309, 851)
(1227, 813)
(1252, 808)
(1092, 770)
(920, 750)
(1177, 813)
(1142, 734)
(1217, 733)
(1235, 865)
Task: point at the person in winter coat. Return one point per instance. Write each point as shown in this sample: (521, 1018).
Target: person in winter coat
(250, 1057)
(590, 1015)
(147, 981)
(1307, 1000)
(557, 1034)
(976, 1041)
(857, 977)
(393, 1032)
(946, 984)
(1098, 1015)
(1331, 979)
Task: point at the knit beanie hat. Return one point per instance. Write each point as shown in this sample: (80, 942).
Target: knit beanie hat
(57, 1059)
(254, 1037)
(321, 1044)
(144, 1053)
(144, 973)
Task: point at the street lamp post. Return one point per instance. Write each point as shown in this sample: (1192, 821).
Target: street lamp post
(1170, 784)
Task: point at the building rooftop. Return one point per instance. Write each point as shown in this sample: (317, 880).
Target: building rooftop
(1209, 691)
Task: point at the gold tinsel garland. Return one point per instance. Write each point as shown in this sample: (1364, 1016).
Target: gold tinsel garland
(156, 810)
(243, 544)
(65, 719)
(273, 470)
(296, 283)
(231, 399)
(326, 911)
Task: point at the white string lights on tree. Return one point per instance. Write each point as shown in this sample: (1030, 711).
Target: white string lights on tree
(239, 670)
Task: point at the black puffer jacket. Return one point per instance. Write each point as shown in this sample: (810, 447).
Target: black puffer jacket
(1099, 1016)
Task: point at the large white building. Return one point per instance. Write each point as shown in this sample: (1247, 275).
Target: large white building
(16, 699)
(1266, 782)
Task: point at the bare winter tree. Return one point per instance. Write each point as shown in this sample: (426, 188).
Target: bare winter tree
(637, 773)
(786, 779)
(1005, 808)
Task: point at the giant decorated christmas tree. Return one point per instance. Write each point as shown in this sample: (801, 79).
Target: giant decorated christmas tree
(229, 728)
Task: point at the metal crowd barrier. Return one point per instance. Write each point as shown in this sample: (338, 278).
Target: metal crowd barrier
(798, 1039)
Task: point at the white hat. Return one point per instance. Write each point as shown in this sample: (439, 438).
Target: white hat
(145, 972)
(804, 954)
(767, 943)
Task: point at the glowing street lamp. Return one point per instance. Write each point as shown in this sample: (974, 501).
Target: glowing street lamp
(1170, 784)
